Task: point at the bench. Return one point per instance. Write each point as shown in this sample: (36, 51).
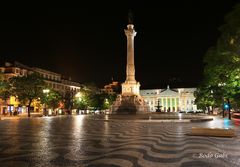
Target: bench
(215, 132)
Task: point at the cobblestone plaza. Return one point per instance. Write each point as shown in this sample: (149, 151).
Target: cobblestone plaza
(96, 140)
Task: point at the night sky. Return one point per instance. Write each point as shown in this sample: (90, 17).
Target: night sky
(86, 41)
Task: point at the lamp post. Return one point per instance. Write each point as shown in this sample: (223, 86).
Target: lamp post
(221, 85)
(223, 108)
(229, 108)
(79, 98)
(106, 101)
(106, 105)
(45, 91)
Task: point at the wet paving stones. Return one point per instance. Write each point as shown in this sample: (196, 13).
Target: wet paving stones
(88, 140)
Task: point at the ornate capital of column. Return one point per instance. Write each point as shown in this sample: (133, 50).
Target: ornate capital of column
(130, 31)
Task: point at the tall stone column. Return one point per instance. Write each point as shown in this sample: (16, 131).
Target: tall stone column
(130, 70)
(130, 86)
(130, 101)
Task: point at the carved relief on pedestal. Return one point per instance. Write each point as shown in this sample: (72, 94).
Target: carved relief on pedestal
(138, 100)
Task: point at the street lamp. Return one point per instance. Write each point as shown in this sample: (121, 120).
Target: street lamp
(221, 85)
(45, 91)
(78, 95)
(106, 103)
(229, 109)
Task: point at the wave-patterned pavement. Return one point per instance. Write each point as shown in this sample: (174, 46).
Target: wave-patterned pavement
(86, 141)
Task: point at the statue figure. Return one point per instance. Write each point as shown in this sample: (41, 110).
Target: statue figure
(130, 17)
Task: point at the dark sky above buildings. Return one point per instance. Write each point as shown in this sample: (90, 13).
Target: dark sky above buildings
(86, 41)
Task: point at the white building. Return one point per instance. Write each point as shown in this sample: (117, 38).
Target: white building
(170, 100)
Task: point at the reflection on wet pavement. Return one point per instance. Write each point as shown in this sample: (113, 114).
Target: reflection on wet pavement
(86, 140)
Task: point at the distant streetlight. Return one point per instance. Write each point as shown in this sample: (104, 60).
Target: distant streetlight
(79, 96)
(106, 105)
(45, 91)
(221, 85)
(106, 101)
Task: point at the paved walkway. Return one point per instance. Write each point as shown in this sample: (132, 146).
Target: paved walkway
(85, 141)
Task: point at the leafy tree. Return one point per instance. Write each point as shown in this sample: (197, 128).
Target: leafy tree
(80, 104)
(5, 89)
(102, 101)
(204, 97)
(27, 88)
(222, 63)
(90, 97)
(51, 99)
(97, 101)
(68, 100)
(82, 99)
(111, 98)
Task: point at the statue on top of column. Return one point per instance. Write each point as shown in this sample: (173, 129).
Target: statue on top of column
(130, 17)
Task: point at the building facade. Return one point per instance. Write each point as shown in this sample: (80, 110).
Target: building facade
(53, 80)
(112, 88)
(170, 100)
(56, 81)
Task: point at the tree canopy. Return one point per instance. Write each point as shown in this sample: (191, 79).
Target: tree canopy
(5, 88)
(52, 98)
(27, 88)
(90, 97)
(222, 65)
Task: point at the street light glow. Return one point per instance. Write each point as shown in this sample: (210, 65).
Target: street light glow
(106, 101)
(46, 90)
(78, 94)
